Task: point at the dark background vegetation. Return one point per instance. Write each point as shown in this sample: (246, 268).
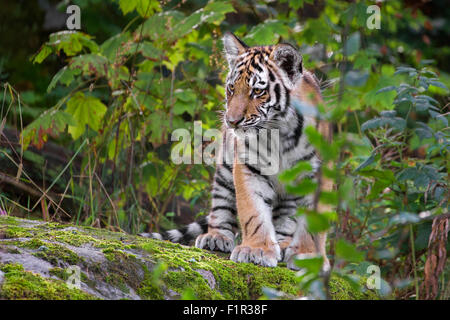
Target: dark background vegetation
(86, 119)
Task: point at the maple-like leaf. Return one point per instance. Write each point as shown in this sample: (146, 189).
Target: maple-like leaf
(85, 110)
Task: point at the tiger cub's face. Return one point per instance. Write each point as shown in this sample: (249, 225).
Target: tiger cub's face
(259, 82)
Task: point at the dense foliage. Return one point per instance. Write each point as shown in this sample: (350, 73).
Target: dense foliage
(127, 80)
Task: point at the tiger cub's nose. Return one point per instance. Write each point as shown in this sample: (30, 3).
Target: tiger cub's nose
(233, 122)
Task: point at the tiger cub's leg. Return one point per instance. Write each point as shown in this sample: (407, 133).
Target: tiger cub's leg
(222, 218)
(254, 196)
(304, 242)
(285, 222)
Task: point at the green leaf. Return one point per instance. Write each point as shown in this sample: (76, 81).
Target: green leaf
(161, 25)
(411, 71)
(158, 123)
(421, 175)
(127, 5)
(145, 8)
(407, 174)
(394, 122)
(326, 150)
(186, 100)
(317, 222)
(363, 61)
(348, 251)
(267, 32)
(317, 30)
(386, 89)
(438, 84)
(216, 10)
(91, 64)
(328, 197)
(64, 76)
(149, 51)
(353, 43)
(213, 12)
(188, 294)
(85, 110)
(71, 42)
(291, 174)
(51, 122)
(116, 46)
(356, 78)
(366, 163)
(296, 4)
(312, 265)
(379, 98)
(380, 175)
(181, 107)
(43, 53)
(186, 95)
(305, 187)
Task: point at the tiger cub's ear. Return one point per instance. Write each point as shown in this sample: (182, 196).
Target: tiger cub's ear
(289, 59)
(233, 47)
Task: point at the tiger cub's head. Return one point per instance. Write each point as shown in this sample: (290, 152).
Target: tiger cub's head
(259, 82)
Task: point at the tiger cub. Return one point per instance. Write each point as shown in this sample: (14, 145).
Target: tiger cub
(261, 86)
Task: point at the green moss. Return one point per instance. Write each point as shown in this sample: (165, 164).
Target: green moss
(21, 284)
(12, 250)
(233, 281)
(52, 252)
(11, 232)
(59, 273)
(340, 289)
(179, 281)
(9, 220)
(150, 288)
(123, 270)
(115, 255)
(185, 267)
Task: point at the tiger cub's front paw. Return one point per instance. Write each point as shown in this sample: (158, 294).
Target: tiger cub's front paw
(215, 241)
(293, 253)
(264, 256)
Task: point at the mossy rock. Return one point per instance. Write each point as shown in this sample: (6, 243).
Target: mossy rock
(41, 260)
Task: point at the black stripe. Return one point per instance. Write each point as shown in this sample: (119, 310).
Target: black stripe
(284, 233)
(256, 230)
(218, 196)
(298, 129)
(257, 172)
(268, 201)
(271, 76)
(277, 95)
(203, 222)
(253, 169)
(275, 70)
(246, 224)
(227, 208)
(308, 156)
(224, 185)
(295, 137)
(187, 237)
(288, 97)
(283, 112)
(227, 166)
(221, 227)
(256, 66)
(284, 206)
(294, 198)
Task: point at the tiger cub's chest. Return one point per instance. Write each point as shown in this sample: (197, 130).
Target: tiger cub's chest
(272, 151)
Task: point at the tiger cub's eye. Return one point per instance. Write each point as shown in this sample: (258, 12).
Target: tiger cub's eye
(231, 87)
(257, 91)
